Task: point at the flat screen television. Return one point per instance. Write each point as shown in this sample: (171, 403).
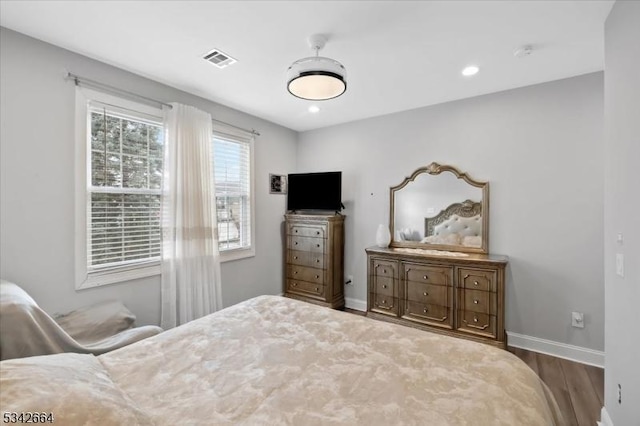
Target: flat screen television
(315, 191)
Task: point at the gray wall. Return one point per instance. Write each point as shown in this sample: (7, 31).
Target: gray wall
(37, 181)
(541, 149)
(622, 211)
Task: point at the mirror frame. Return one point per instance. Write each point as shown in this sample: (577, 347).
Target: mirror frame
(435, 169)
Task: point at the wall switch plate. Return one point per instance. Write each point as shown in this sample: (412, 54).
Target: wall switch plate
(577, 319)
(620, 264)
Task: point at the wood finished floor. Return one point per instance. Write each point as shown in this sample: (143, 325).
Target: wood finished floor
(578, 388)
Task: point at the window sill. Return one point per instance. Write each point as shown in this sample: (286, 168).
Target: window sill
(237, 254)
(97, 279)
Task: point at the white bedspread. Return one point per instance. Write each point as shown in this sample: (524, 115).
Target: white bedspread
(277, 361)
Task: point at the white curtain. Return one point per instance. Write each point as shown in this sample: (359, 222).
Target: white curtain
(190, 258)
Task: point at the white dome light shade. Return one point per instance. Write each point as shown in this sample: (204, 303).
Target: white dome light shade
(316, 78)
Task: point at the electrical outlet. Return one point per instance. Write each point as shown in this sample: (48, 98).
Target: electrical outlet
(577, 319)
(349, 280)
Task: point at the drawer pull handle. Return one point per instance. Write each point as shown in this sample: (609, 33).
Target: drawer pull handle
(294, 284)
(475, 283)
(384, 286)
(317, 232)
(317, 260)
(475, 301)
(296, 231)
(295, 272)
(384, 301)
(295, 257)
(425, 277)
(425, 293)
(384, 271)
(479, 327)
(317, 245)
(425, 310)
(296, 243)
(317, 276)
(316, 288)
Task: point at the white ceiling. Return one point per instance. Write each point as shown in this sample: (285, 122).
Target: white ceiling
(399, 55)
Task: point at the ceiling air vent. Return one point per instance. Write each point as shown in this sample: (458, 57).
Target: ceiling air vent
(218, 58)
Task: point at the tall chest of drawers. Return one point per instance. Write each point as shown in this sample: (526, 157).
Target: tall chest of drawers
(461, 295)
(314, 252)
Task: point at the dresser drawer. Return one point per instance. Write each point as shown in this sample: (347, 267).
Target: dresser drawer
(304, 273)
(477, 301)
(297, 286)
(384, 286)
(306, 258)
(477, 279)
(428, 274)
(432, 314)
(307, 231)
(477, 323)
(384, 304)
(310, 244)
(382, 268)
(429, 293)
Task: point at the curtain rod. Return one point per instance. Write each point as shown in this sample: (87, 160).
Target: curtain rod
(88, 82)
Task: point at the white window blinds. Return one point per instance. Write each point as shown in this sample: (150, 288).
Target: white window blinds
(232, 168)
(124, 183)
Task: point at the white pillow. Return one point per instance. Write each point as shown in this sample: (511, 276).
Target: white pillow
(472, 241)
(448, 239)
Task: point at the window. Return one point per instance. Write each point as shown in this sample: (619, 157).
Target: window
(121, 155)
(232, 155)
(119, 158)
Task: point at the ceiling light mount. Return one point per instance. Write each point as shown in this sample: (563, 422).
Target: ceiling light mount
(316, 78)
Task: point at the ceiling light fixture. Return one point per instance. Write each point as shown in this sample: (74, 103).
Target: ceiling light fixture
(316, 78)
(314, 109)
(470, 70)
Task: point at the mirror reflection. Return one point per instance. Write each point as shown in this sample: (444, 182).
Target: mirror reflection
(439, 209)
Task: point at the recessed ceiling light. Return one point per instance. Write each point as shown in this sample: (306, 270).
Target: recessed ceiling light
(470, 70)
(314, 109)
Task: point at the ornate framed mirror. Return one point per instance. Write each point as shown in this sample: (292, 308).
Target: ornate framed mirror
(441, 208)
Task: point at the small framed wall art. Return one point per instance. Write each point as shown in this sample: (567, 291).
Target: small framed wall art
(277, 184)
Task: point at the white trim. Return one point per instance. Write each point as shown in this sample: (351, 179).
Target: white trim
(605, 420)
(358, 305)
(112, 277)
(237, 254)
(557, 349)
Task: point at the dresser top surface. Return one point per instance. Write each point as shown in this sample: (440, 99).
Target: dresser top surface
(438, 255)
(314, 217)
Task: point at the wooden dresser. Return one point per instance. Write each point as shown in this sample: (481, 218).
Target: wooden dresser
(314, 251)
(454, 295)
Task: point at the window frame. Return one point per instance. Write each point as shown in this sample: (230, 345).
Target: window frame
(83, 277)
(222, 131)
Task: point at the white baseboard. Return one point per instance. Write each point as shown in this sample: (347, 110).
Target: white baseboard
(605, 420)
(557, 349)
(358, 305)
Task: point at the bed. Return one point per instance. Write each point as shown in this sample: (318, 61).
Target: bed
(278, 361)
(458, 224)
